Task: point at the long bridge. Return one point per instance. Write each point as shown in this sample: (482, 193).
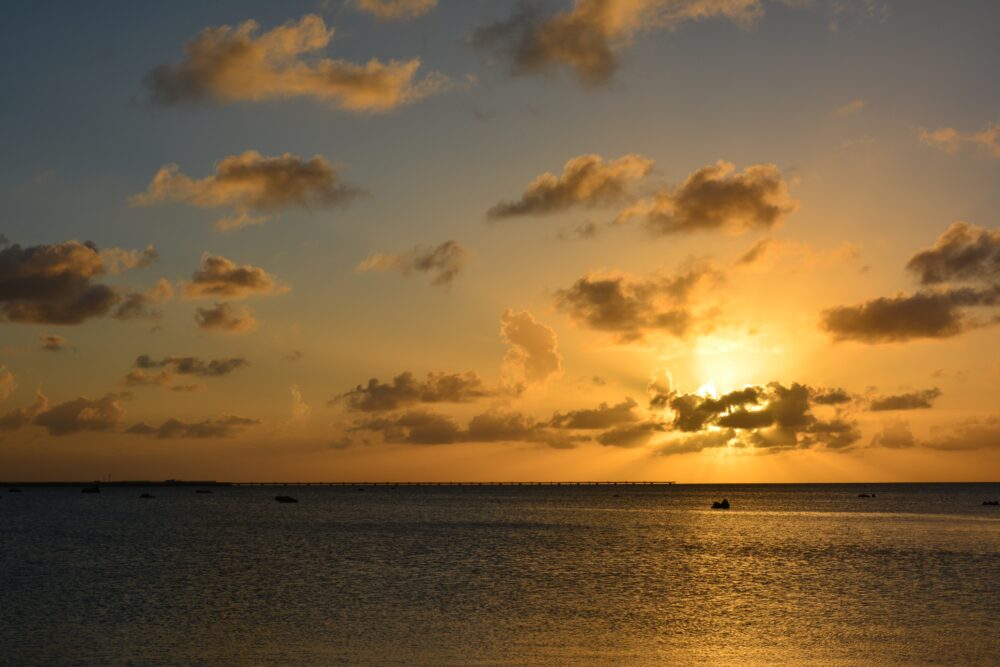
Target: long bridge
(215, 483)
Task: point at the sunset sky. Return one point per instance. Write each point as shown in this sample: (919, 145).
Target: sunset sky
(692, 240)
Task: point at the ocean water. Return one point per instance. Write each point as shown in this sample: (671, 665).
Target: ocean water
(792, 574)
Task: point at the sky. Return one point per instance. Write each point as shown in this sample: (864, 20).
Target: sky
(442, 240)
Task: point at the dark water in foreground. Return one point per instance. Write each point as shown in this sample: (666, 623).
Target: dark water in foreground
(502, 575)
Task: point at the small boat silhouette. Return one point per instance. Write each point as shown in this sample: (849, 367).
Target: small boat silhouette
(285, 499)
(13, 490)
(724, 505)
(866, 495)
(147, 495)
(992, 503)
(202, 491)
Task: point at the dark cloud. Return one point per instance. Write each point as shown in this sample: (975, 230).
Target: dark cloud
(770, 416)
(82, 414)
(601, 417)
(916, 400)
(52, 342)
(902, 318)
(226, 427)
(227, 64)
(58, 284)
(417, 427)
(586, 180)
(253, 187)
(715, 197)
(965, 252)
(405, 390)
(587, 36)
(225, 318)
(630, 307)
(221, 277)
(444, 262)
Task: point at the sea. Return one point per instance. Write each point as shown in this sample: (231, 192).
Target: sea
(502, 575)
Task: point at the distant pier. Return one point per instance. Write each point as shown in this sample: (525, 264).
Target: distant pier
(214, 483)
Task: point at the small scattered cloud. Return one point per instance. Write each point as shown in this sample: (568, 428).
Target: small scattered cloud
(951, 140)
(225, 427)
(292, 356)
(8, 383)
(894, 435)
(52, 342)
(632, 307)
(852, 107)
(586, 181)
(917, 400)
(253, 187)
(443, 262)
(300, 409)
(221, 277)
(166, 372)
(716, 197)
(227, 64)
(224, 318)
(396, 9)
(533, 354)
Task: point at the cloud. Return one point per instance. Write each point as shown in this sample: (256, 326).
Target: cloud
(916, 400)
(300, 409)
(902, 318)
(82, 414)
(419, 427)
(767, 417)
(225, 318)
(852, 107)
(601, 417)
(533, 353)
(226, 64)
(964, 252)
(396, 9)
(226, 427)
(52, 342)
(586, 181)
(120, 260)
(586, 37)
(293, 356)
(976, 433)
(253, 187)
(630, 435)
(766, 252)
(140, 304)
(221, 277)
(21, 417)
(894, 435)
(8, 383)
(444, 262)
(405, 390)
(716, 197)
(950, 140)
(58, 284)
(168, 370)
(963, 265)
(633, 307)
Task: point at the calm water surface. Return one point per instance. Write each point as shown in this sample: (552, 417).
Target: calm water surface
(803, 575)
